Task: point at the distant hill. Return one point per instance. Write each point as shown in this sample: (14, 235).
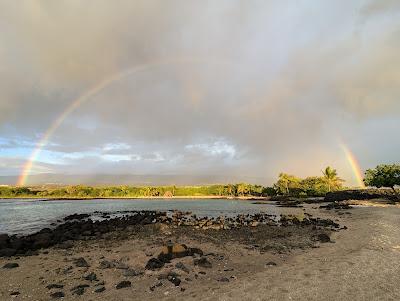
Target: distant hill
(107, 179)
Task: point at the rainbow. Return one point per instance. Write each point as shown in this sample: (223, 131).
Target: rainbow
(355, 166)
(97, 88)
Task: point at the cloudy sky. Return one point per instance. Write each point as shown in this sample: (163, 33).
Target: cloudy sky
(218, 87)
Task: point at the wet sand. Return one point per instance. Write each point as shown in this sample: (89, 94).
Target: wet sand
(263, 263)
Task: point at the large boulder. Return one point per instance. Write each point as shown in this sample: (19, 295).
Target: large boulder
(172, 251)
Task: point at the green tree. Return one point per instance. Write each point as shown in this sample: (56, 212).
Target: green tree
(268, 191)
(384, 175)
(331, 178)
(241, 189)
(314, 186)
(287, 182)
(229, 190)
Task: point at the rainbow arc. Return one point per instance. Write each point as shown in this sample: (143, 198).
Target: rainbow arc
(94, 90)
(99, 87)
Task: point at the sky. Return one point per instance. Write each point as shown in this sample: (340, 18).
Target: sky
(183, 87)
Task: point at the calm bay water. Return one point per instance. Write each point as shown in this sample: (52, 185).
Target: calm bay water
(21, 216)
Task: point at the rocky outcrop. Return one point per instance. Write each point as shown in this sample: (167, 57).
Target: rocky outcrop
(361, 194)
(75, 227)
(82, 227)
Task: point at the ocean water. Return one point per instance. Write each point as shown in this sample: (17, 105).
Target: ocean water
(23, 216)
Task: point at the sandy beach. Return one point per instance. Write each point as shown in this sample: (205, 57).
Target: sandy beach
(264, 262)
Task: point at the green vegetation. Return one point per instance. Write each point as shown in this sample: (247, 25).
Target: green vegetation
(310, 186)
(331, 179)
(79, 191)
(383, 176)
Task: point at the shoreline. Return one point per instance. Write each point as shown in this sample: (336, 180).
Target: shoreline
(209, 197)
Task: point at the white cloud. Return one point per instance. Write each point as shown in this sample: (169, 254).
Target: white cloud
(116, 158)
(217, 148)
(116, 146)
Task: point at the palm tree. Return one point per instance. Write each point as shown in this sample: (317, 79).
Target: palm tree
(284, 178)
(240, 189)
(331, 178)
(287, 182)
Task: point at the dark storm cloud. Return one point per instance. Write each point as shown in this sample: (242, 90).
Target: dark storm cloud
(242, 87)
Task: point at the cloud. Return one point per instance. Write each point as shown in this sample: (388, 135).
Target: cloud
(378, 7)
(229, 87)
(218, 148)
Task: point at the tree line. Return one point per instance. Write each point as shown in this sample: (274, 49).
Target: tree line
(310, 186)
(381, 176)
(81, 191)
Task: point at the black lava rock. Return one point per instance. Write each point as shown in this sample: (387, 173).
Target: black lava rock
(66, 245)
(223, 279)
(181, 266)
(57, 295)
(158, 284)
(7, 252)
(79, 289)
(91, 277)
(54, 285)
(131, 273)
(100, 289)
(123, 284)
(105, 264)
(4, 241)
(174, 279)
(11, 265)
(324, 238)
(154, 264)
(203, 262)
(79, 286)
(76, 217)
(81, 262)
